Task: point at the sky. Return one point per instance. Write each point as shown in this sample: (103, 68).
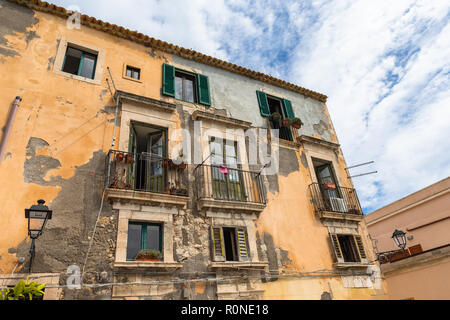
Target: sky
(384, 65)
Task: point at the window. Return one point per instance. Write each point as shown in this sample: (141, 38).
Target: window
(80, 63)
(148, 146)
(269, 105)
(230, 244)
(133, 73)
(143, 236)
(348, 248)
(186, 86)
(225, 186)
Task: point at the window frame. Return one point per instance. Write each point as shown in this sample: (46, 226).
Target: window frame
(144, 235)
(236, 250)
(126, 66)
(64, 43)
(183, 86)
(80, 66)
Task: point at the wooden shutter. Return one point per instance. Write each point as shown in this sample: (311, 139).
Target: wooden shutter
(362, 252)
(218, 249)
(203, 90)
(242, 244)
(336, 247)
(263, 104)
(288, 111)
(168, 80)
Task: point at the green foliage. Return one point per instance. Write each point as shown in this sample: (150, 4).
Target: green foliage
(276, 116)
(154, 254)
(24, 290)
(297, 122)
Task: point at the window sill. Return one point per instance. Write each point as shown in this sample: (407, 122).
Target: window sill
(344, 265)
(340, 216)
(131, 79)
(147, 264)
(76, 77)
(226, 205)
(144, 197)
(238, 265)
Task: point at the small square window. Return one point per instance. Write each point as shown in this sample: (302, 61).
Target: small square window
(133, 73)
(80, 63)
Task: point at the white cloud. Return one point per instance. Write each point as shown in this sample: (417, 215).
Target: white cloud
(383, 64)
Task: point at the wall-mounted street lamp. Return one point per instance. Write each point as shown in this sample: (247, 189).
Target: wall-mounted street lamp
(37, 217)
(399, 238)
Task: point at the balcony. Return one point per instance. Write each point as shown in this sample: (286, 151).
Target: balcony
(334, 202)
(220, 188)
(146, 179)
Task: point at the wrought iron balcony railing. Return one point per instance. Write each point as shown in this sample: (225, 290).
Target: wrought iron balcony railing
(333, 198)
(230, 184)
(145, 172)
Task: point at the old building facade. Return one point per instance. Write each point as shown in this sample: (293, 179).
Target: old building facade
(153, 146)
(420, 271)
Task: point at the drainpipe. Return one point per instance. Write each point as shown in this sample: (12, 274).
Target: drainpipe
(8, 127)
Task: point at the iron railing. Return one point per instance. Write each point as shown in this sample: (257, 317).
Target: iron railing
(229, 184)
(145, 172)
(284, 132)
(333, 198)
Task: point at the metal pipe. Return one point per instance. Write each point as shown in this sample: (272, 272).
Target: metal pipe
(8, 127)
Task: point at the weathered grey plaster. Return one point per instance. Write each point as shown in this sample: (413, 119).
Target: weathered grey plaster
(288, 162)
(15, 19)
(74, 214)
(237, 94)
(36, 167)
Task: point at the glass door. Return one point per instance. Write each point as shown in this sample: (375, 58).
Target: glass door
(155, 171)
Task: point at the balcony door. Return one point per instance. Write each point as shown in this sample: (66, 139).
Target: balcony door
(225, 186)
(149, 147)
(329, 187)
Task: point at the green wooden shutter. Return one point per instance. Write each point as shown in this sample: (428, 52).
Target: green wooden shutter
(362, 252)
(242, 244)
(263, 104)
(203, 90)
(168, 80)
(288, 111)
(218, 249)
(336, 247)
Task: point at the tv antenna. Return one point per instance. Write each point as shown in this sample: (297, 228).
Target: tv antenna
(362, 174)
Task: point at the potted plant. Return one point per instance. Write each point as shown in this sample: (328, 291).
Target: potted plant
(165, 163)
(148, 255)
(119, 156)
(329, 186)
(297, 123)
(276, 119)
(286, 122)
(182, 166)
(129, 158)
(24, 291)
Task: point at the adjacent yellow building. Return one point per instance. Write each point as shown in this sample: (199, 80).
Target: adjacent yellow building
(157, 147)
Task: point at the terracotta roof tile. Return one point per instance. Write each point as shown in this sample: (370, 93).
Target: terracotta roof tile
(168, 47)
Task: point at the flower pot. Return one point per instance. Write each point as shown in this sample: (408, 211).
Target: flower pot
(329, 186)
(285, 122)
(147, 259)
(119, 157)
(165, 163)
(129, 158)
(182, 166)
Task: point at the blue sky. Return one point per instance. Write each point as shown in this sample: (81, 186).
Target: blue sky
(385, 66)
